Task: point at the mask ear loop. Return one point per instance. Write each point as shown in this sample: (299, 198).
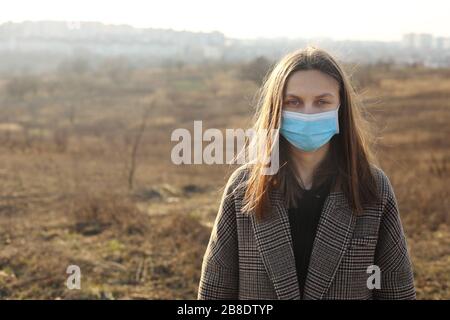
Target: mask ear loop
(337, 118)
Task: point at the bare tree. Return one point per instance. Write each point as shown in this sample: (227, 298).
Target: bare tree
(256, 69)
(136, 145)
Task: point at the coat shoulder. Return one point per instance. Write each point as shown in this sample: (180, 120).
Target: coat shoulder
(384, 184)
(237, 180)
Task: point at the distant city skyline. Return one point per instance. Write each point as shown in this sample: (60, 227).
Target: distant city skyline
(383, 20)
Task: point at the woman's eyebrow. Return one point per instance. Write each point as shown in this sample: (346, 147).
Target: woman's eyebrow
(326, 94)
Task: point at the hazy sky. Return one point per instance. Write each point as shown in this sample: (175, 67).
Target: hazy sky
(344, 19)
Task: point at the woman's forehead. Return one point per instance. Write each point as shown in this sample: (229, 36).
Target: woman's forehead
(311, 83)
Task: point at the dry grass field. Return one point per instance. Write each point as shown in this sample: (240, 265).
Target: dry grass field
(74, 190)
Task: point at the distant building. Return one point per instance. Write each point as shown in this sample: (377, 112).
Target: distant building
(425, 41)
(442, 43)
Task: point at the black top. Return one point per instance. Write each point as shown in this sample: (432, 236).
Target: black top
(304, 220)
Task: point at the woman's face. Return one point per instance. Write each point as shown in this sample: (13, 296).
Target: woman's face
(311, 91)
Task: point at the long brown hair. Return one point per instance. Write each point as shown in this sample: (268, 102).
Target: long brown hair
(350, 154)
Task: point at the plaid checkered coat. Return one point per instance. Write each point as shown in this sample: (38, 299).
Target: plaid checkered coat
(246, 259)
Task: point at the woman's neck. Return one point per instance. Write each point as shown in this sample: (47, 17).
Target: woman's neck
(304, 163)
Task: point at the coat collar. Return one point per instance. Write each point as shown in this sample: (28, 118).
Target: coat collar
(274, 241)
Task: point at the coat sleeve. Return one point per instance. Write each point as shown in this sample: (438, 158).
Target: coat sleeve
(392, 257)
(219, 273)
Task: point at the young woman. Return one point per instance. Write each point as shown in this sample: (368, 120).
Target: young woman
(326, 225)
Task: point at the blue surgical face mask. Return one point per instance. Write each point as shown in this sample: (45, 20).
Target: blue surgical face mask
(309, 132)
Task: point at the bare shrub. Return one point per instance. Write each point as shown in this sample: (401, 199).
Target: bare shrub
(19, 87)
(92, 214)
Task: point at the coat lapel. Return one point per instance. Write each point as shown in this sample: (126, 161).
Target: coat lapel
(274, 241)
(334, 232)
(273, 238)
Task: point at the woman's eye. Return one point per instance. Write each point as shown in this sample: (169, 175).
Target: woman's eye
(292, 102)
(323, 102)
